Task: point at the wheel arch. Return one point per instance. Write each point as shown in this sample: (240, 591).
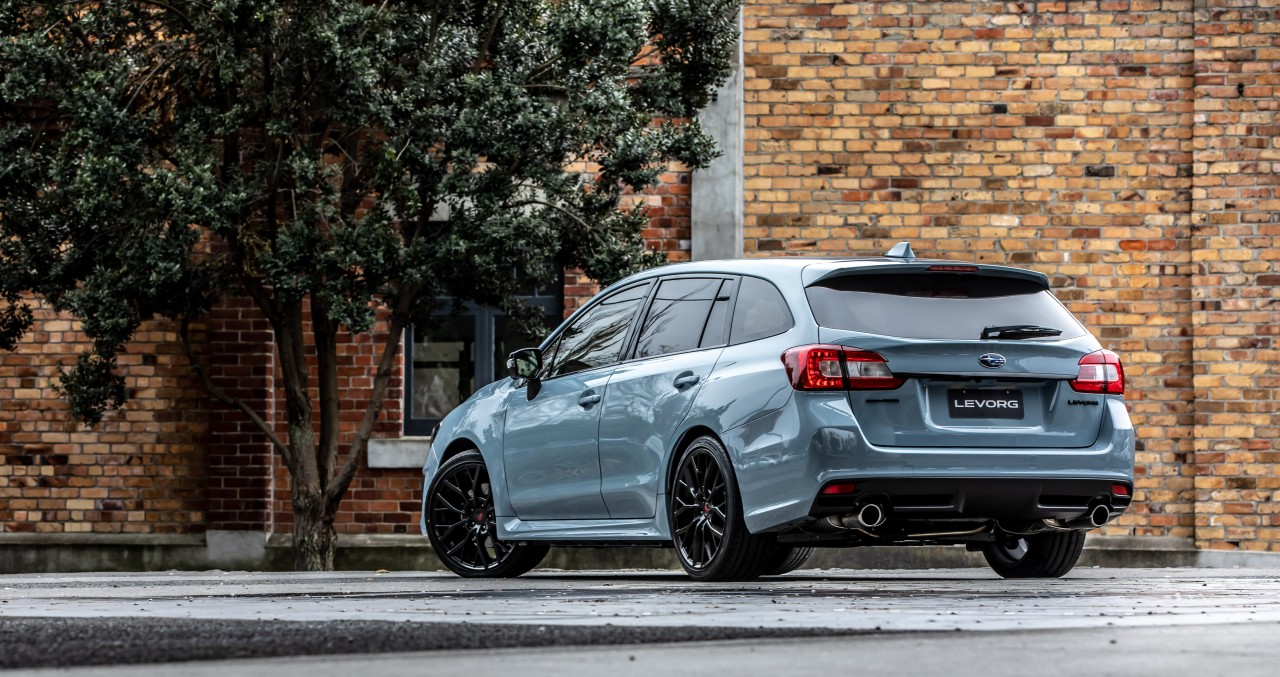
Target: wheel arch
(683, 441)
(458, 446)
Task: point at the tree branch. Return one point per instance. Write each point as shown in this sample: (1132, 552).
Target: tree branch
(386, 364)
(220, 395)
(483, 54)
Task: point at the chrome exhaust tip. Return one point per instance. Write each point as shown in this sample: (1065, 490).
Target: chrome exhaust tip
(871, 516)
(1099, 515)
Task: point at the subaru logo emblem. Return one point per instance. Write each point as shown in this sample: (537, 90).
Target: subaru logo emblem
(992, 360)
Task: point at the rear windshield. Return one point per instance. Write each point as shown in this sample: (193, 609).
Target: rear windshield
(936, 306)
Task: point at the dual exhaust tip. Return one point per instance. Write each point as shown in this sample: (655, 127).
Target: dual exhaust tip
(873, 515)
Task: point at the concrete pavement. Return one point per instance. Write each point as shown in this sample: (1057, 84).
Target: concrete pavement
(967, 617)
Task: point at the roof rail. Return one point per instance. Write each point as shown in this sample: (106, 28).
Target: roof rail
(902, 250)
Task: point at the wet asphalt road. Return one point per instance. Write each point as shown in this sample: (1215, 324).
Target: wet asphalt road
(122, 641)
(832, 615)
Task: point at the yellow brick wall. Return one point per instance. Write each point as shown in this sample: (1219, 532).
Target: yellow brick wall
(1083, 139)
(1236, 288)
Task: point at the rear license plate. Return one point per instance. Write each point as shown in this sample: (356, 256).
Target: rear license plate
(985, 403)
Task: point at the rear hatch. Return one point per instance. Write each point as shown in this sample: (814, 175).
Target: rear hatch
(986, 353)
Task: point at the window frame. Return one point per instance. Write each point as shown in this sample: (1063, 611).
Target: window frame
(484, 360)
(628, 338)
(634, 341)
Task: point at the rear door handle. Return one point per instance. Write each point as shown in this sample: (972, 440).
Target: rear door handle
(588, 398)
(688, 378)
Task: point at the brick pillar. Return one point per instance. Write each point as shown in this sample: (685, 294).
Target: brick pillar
(1236, 314)
(241, 362)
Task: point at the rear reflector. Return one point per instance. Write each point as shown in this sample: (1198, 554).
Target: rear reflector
(829, 367)
(839, 489)
(1100, 372)
(953, 269)
(1119, 490)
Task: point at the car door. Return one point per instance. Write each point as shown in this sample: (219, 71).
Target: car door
(551, 447)
(683, 332)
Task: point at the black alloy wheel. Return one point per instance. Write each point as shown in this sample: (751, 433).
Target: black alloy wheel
(1049, 554)
(461, 527)
(711, 538)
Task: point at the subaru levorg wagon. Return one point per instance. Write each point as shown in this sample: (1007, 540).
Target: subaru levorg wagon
(746, 412)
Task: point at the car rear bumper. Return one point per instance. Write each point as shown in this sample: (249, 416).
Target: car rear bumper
(998, 498)
(783, 459)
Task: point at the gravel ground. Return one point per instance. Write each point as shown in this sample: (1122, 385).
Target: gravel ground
(66, 642)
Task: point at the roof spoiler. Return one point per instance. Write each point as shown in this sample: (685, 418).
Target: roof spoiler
(814, 275)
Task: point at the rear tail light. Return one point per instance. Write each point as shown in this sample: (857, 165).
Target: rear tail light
(1100, 372)
(1119, 490)
(827, 367)
(953, 269)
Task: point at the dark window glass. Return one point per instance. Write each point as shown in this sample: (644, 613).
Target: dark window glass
(454, 355)
(443, 366)
(761, 311)
(936, 306)
(717, 331)
(678, 317)
(595, 339)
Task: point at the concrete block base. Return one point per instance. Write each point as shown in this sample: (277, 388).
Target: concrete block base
(254, 550)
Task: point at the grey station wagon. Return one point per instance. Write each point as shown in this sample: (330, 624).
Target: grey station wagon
(745, 412)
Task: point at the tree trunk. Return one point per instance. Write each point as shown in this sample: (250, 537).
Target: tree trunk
(314, 540)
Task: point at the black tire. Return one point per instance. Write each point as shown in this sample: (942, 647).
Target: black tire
(710, 535)
(1049, 554)
(784, 559)
(461, 527)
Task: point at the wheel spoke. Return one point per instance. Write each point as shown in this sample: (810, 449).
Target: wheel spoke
(447, 505)
(485, 561)
(444, 482)
(443, 532)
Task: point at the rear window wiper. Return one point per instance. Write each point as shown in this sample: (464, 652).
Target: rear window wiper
(1018, 331)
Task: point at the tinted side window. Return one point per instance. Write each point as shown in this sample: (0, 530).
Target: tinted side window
(717, 331)
(596, 338)
(761, 312)
(678, 317)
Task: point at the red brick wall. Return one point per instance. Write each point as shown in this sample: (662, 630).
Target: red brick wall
(241, 361)
(140, 471)
(379, 500)
(1236, 313)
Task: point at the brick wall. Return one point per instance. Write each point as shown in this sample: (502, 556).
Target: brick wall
(379, 501)
(1055, 136)
(241, 361)
(1066, 137)
(140, 471)
(1236, 312)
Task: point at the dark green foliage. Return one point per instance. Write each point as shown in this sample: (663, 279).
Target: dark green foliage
(156, 156)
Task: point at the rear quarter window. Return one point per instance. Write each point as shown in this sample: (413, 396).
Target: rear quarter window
(936, 305)
(760, 312)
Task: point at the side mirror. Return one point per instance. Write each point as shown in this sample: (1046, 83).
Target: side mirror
(524, 363)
